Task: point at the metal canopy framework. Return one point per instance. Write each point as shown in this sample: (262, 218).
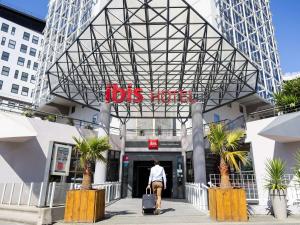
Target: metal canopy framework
(155, 45)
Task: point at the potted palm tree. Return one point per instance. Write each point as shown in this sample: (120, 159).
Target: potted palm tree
(86, 204)
(275, 169)
(223, 199)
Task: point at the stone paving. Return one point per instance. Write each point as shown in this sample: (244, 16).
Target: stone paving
(175, 212)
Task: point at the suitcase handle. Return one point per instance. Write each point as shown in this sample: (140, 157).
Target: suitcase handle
(147, 188)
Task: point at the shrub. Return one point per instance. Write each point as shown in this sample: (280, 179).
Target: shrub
(28, 113)
(275, 169)
(51, 118)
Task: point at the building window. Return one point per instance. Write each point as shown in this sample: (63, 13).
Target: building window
(113, 165)
(16, 74)
(26, 36)
(241, 109)
(3, 41)
(1, 84)
(32, 80)
(23, 48)
(95, 118)
(35, 66)
(189, 167)
(12, 44)
(24, 76)
(11, 104)
(25, 91)
(5, 56)
(73, 109)
(21, 61)
(32, 52)
(15, 88)
(35, 39)
(13, 31)
(28, 63)
(216, 118)
(5, 71)
(4, 27)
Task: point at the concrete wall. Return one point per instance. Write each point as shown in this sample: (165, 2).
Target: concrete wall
(264, 148)
(26, 161)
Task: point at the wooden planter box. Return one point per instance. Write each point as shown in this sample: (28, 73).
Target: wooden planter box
(227, 204)
(86, 206)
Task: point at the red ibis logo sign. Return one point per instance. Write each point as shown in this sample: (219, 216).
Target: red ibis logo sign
(153, 144)
(118, 94)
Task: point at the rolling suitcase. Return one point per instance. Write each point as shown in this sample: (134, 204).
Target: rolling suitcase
(148, 202)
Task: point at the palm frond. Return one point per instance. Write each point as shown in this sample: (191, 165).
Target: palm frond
(92, 149)
(233, 138)
(233, 157)
(216, 137)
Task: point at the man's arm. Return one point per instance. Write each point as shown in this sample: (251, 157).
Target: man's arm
(150, 178)
(165, 179)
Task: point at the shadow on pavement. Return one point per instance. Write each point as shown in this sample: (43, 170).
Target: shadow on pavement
(110, 214)
(163, 211)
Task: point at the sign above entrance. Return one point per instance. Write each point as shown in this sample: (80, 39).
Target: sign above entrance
(153, 144)
(118, 95)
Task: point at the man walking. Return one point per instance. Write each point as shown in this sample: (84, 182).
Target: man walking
(159, 181)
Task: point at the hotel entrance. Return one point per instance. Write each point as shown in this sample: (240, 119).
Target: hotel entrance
(141, 171)
(137, 170)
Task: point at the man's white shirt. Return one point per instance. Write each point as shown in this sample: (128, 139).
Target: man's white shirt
(157, 173)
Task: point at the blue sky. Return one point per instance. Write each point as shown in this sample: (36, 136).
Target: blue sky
(286, 19)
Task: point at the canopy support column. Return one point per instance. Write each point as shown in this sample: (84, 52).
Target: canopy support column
(184, 146)
(198, 144)
(105, 118)
(123, 141)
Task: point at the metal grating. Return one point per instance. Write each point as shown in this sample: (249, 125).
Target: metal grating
(155, 45)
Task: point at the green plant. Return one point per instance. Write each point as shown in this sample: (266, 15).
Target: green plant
(225, 144)
(89, 127)
(28, 113)
(289, 96)
(275, 169)
(51, 118)
(297, 166)
(70, 122)
(90, 150)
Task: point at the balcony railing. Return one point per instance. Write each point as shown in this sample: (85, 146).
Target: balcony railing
(272, 112)
(245, 180)
(23, 110)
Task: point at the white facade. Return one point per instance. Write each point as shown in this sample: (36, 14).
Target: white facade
(19, 58)
(280, 146)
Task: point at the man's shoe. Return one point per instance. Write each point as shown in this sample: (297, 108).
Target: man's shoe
(157, 211)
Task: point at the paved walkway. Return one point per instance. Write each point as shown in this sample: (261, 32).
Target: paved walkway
(174, 212)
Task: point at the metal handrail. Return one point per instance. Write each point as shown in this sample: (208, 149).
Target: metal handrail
(273, 111)
(41, 114)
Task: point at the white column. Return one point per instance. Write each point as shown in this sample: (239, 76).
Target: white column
(100, 168)
(184, 145)
(198, 144)
(123, 141)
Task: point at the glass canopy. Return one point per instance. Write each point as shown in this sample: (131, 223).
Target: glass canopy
(153, 45)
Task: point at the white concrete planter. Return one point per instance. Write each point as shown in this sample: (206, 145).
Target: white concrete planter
(278, 200)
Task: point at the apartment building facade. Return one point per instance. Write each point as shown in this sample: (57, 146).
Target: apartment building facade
(21, 38)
